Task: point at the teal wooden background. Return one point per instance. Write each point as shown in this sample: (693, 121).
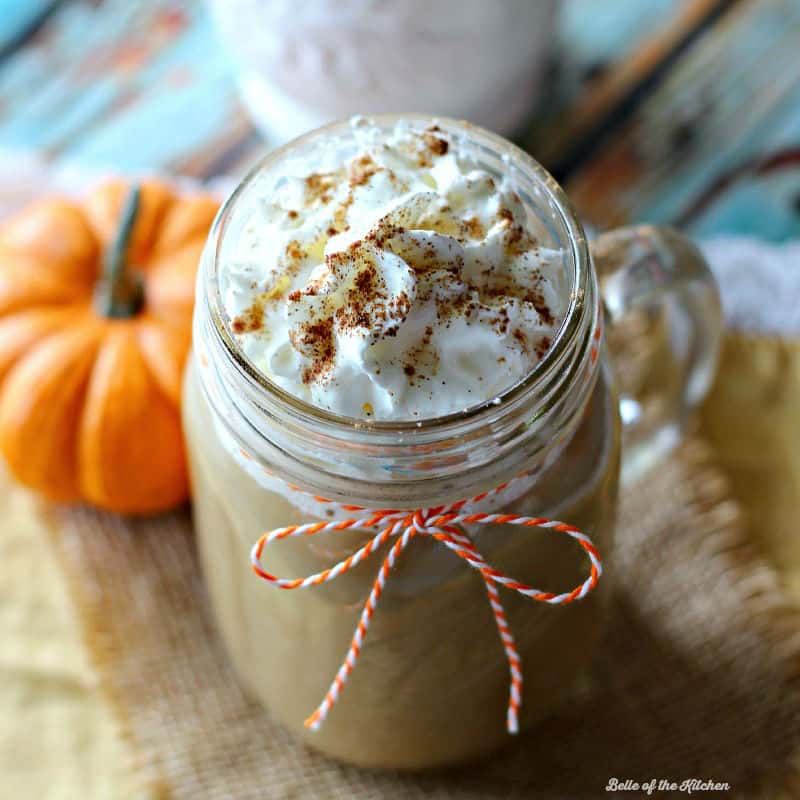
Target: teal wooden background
(677, 111)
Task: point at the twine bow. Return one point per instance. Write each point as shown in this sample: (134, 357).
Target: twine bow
(438, 523)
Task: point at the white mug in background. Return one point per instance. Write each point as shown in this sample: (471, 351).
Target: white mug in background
(301, 65)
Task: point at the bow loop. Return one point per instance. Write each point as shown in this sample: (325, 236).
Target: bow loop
(442, 524)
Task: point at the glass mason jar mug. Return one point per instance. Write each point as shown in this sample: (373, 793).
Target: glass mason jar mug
(431, 682)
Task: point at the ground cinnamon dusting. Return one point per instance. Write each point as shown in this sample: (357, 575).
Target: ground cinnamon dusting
(474, 228)
(519, 335)
(505, 215)
(316, 340)
(340, 215)
(361, 170)
(436, 145)
(543, 346)
(536, 299)
(319, 186)
(294, 250)
(250, 320)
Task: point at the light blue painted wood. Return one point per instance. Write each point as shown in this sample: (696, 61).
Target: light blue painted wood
(125, 84)
(144, 84)
(593, 31)
(17, 15)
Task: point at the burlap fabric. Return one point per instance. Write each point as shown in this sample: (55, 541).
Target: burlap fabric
(698, 677)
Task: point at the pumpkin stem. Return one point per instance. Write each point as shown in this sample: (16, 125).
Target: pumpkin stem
(120, 294)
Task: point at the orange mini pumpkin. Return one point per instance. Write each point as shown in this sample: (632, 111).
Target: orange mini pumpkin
(95, 325)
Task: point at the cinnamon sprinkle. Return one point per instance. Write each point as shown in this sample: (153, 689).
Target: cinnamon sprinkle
(474, 228)
(294, 250)
(250, 320)
(362, 169)
(506, 215)
(436, 145)
(319, 186)
(543, 346)
(316, 341)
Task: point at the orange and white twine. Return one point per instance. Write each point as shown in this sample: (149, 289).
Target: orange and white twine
(438, 523)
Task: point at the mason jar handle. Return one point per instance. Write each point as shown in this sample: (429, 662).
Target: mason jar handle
(666, 327)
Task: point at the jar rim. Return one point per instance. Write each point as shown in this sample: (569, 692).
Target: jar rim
(568, 330)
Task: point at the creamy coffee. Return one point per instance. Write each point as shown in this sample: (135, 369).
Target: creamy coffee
(389, 275)
(431, 686)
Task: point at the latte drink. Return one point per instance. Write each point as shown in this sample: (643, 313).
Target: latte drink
(401, 314)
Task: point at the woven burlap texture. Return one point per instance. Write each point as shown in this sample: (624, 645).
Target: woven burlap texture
(698, 676)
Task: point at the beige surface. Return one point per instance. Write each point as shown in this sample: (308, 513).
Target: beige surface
(57, 735)
(752, 417)
(698, 676)
(732, 661)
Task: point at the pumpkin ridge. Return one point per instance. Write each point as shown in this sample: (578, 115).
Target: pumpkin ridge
(26, 287)
(170, 285)
(22, 332)
(56, 235)
(41, 397)
(123, 397)
(164, 349)
(187, 220)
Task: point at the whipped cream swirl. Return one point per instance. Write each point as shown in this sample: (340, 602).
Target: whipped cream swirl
(403, 283)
